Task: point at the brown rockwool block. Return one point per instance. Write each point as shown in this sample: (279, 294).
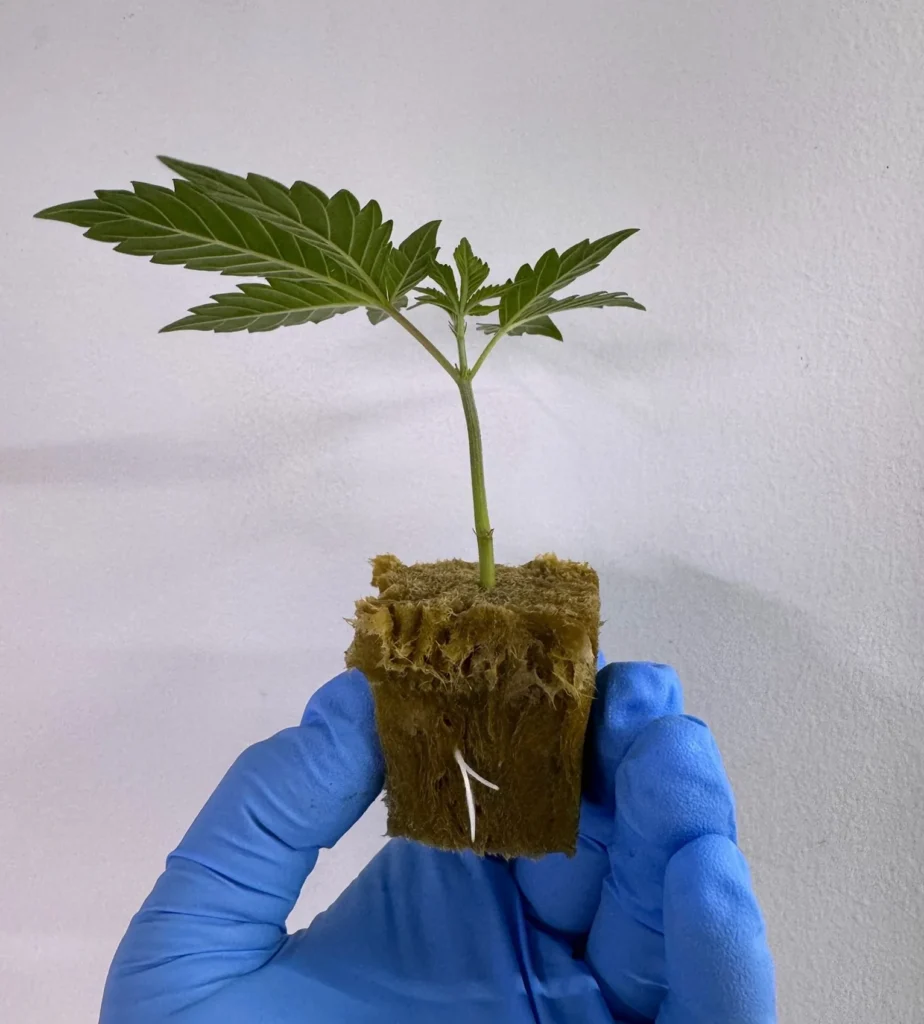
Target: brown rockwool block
(504, 676)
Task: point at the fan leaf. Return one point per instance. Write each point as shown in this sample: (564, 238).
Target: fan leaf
(354, 236)
(190, 227)
(255, 226)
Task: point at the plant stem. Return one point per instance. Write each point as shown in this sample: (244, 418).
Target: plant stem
(483, 532)
(498, 334)
(462, 375)
(425, 341)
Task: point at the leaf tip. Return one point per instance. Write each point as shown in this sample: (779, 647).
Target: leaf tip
(50, 212)
(176, 325)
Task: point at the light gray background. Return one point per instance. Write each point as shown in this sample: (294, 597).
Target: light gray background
(187, 518)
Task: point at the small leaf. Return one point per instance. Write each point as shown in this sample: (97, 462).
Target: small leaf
(434, 297)
(490, 291)
(527, 298)
(541, 325)
(472, 272)
(410, 263)
(446, 296)
(446, 279)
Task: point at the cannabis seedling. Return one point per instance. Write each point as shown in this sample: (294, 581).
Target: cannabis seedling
(500, 664)
(323, 255)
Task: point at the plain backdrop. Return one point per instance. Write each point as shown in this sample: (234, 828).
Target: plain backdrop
(187, 518)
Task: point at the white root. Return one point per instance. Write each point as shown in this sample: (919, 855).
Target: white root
(468, 774)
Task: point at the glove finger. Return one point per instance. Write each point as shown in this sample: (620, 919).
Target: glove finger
(719, 966)
(219, 909)
(630, 696)
(561, 892)
(671, 789)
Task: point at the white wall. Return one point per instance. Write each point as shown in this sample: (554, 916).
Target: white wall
(186, 518)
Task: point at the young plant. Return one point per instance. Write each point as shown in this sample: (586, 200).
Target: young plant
(487, 672)
(321, 255)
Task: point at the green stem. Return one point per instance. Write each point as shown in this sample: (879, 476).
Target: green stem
(483, 532)
(462, 375)
(498, 334)
(425, 341)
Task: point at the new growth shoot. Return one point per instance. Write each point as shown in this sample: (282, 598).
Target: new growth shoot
(316, 255)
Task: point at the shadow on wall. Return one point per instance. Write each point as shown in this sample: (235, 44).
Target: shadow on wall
(827, 758)
(234, 450)
(633, 351)
(138, 459)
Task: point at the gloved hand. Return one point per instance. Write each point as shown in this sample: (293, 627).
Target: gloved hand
(654, 919)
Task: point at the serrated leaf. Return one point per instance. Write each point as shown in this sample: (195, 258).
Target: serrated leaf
(187, 226)
(213, 179)
(527, 297)
(459, 296)
(443, 275)
(490, 291)
(540, 325)
(353, 236)
(596, 300)
(262, 307)
(434, 297)
(410, 263)
(445, 295)
(473, 272)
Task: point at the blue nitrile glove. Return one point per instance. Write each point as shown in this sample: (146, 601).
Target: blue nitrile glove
(654, 919)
